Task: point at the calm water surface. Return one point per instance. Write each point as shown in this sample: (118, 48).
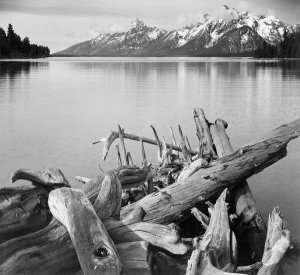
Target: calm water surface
(52, 110)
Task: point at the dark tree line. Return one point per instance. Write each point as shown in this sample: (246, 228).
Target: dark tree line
(289, 47)
(12, 46)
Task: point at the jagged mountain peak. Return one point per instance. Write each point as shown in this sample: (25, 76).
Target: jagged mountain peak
(137, 23)
(241, 31)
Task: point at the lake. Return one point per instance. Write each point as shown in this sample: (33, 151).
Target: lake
(52, 110)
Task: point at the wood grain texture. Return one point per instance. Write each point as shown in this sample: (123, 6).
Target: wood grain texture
(95, 250)
(243, 202)
(167, 206)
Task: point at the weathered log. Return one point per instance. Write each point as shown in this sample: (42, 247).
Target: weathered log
(203, 131)
(50, 249)
(220, 138)
(113, 135)
(243, 202)
(23, 210)
(166, 237)
(228, 171)
(95, 250)
(277, 243)
(192, 168)
(217, 246)
(49, 177)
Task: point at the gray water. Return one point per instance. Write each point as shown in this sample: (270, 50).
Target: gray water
(52, 110)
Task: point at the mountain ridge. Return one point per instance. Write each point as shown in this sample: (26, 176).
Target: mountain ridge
(241, 35)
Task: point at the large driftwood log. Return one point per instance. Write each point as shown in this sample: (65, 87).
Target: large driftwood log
(243, 201)
(277, 243)
(95, 250)
(51, 249)
(22, 210)
(217, 246)
(168, 205)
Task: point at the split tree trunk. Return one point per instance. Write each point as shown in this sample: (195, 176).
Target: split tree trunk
(217, 248)
(243, 202)
(277, 243)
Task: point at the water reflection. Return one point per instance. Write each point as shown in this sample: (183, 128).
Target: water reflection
(12, 70)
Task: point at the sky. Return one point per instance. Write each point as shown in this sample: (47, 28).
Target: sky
(59, 24)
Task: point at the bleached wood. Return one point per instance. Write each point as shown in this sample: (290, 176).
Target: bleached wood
(113, 135)
(95, 250)
(218, 244)
(228, 171)
(243, 201)
(23, 210)
(277, 243)
(49, 177)
(192, 168)
(203, 131)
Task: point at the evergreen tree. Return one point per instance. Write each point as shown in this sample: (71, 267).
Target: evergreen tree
(11, 45)
(4, 51)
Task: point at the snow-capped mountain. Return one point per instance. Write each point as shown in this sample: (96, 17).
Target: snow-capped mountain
(241, 35)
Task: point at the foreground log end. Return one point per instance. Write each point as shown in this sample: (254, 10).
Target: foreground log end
(277, 243)
(95, 249)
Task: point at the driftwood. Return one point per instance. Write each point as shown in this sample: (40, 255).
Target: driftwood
(218, 247)
(23, 210)
(26, 253)
(149, 220)
(203, 131)
(113, 135)
(277, 243)
(243, 201)
(95, 250)
(49, 177)
(168, 205)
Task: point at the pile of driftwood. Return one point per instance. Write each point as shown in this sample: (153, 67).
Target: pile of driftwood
(192, 213)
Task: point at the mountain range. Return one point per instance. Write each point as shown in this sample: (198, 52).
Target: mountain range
(239, 36)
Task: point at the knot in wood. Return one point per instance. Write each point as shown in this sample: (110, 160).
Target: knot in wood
(101, 252)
